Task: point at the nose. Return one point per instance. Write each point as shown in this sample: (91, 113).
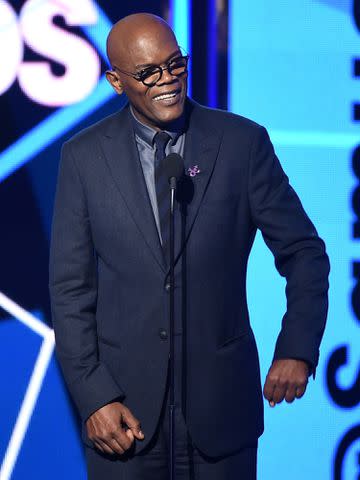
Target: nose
(167, 77)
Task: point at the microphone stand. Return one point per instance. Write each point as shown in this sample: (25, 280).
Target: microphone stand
(172, 307)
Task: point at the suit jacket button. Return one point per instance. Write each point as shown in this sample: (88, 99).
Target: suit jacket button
(163, 334)
(167, 287)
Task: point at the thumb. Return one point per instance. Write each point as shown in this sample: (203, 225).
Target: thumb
(133, 423)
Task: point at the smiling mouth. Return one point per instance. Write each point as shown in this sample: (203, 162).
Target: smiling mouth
(167, 96)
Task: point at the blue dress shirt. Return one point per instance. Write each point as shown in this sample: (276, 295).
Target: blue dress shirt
(144, 136)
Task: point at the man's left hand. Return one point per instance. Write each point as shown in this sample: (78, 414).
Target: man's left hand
(287, 378)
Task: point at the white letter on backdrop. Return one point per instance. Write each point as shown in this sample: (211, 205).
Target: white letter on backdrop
(11, 46)
(81, 62)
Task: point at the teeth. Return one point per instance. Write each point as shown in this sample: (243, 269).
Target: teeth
(167, 95)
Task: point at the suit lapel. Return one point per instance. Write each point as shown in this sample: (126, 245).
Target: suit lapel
(122, 157)
(202, 145)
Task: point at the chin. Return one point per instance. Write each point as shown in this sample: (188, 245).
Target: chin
(168, 117)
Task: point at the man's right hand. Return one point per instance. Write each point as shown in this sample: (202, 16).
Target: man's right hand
(104, 428)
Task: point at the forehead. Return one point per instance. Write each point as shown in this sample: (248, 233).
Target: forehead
(150, 47)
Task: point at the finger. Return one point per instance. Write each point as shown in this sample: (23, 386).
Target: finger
(300, 391)
(279, 393)
(135, 428)
(106, 448)
(116, 446)
(290, 393)
(124, 439)
(98, 446)
(269, 388)
(129, 434)
(132, 423)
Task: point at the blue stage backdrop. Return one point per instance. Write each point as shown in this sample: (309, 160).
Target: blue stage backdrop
(291, 66)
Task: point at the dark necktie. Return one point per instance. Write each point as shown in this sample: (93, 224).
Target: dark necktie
(162, 191)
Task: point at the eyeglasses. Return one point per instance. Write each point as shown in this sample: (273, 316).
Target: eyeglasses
(151, 75)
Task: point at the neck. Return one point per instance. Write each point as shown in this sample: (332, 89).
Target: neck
(177, 125)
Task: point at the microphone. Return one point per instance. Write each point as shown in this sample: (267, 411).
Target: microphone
(173, 168)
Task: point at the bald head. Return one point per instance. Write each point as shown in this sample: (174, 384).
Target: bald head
(134, 32)
(144, 44)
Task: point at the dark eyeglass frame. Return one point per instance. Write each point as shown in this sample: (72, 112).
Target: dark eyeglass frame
(139, 76)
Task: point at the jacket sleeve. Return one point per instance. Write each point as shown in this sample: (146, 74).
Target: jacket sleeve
(73, 294)
(299, 253)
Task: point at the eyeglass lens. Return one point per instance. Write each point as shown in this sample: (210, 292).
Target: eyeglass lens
(176, 67)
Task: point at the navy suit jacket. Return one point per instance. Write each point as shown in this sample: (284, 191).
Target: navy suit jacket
(108, 279)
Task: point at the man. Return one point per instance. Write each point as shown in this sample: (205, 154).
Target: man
(109, 273)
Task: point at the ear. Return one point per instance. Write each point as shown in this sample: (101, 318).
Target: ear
(114, 81)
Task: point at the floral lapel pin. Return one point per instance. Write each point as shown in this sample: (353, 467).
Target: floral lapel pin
(192, 171)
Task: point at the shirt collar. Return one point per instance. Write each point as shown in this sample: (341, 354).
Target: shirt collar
(147, 133)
